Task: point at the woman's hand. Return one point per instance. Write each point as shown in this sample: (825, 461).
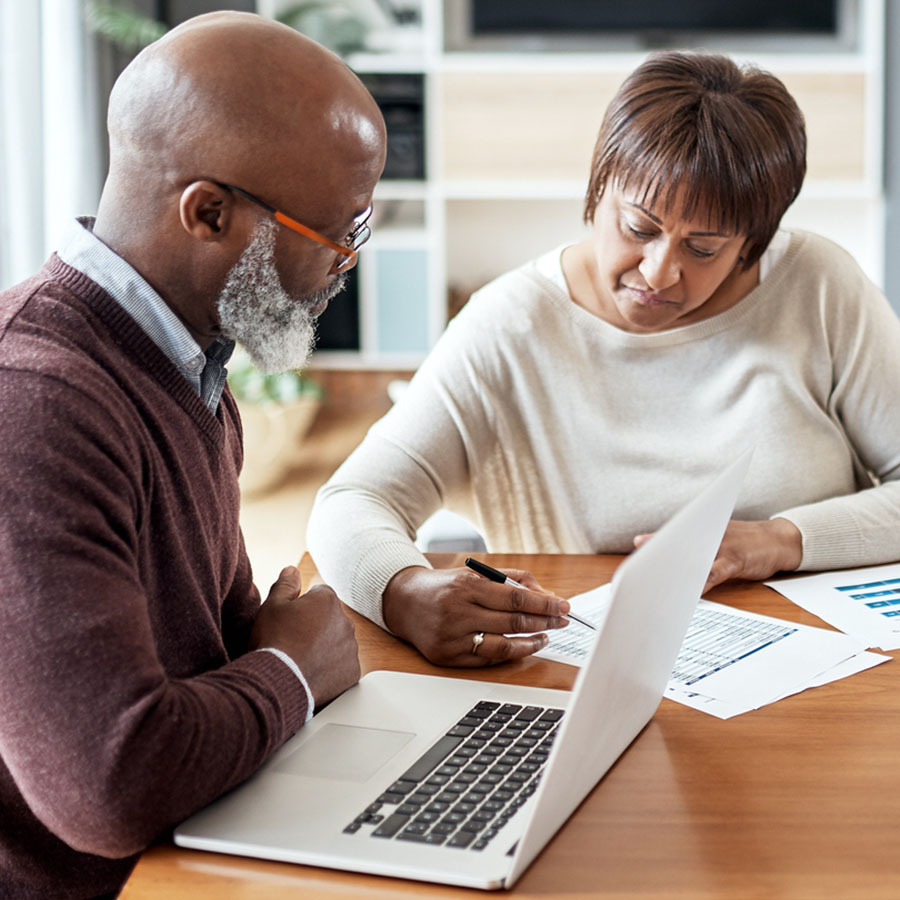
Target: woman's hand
(442, 611)
(752, 550)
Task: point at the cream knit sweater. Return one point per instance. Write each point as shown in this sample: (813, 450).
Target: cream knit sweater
(555, 432)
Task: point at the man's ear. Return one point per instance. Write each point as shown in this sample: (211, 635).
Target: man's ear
(205, 209)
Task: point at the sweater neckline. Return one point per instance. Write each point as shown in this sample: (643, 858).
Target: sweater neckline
(133, 339)
(684, 333)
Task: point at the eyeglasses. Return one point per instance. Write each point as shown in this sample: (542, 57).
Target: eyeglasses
(347, 252)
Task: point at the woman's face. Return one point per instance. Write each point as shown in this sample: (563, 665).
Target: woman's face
(654, 270)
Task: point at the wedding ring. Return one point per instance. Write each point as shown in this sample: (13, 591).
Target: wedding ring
(477, 641)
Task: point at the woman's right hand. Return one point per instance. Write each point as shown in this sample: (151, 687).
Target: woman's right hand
(441, 611)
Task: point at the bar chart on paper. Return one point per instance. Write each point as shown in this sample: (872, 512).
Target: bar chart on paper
(882, 596)
(861, 602)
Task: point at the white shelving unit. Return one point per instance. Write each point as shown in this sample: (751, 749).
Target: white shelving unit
(508, 141)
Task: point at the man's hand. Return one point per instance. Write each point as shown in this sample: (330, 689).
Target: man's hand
(313, 631)
(440, 611)
(752, 550)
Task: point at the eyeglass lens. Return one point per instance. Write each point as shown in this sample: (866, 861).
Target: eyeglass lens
(361, 231)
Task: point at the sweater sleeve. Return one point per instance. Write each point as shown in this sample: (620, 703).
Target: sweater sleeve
(863, 333)
(364, 520)
(413, 462)
(109, 743)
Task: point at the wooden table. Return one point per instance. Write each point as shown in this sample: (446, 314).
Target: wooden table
(799, 799)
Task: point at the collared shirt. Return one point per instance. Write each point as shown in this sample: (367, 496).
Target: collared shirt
(205, 371)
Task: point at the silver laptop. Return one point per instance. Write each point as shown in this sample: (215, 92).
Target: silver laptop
(462, 782)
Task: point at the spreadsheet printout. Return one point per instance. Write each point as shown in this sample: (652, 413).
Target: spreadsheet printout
(731, 661)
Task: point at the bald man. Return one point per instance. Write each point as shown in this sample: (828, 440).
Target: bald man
(140, 676)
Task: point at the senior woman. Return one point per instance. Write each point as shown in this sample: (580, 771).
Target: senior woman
(575, 403)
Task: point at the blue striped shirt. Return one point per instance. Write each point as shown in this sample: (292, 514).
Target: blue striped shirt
(205, 371)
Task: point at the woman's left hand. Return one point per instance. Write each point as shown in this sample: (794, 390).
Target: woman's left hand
(752, 550)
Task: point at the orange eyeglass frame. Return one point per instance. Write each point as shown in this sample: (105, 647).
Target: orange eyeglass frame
(358, 235)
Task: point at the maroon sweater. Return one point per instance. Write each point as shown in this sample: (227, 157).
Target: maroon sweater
(127, 698)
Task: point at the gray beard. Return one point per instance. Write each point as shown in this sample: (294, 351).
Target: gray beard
(277, 331)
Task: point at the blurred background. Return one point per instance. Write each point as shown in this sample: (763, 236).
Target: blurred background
(492, 107)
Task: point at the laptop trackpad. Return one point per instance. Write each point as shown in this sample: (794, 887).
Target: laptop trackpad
(345, 752)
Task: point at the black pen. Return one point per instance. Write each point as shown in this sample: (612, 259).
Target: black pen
(498, 576)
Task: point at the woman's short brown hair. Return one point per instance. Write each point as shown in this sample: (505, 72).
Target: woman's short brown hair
(732, 136)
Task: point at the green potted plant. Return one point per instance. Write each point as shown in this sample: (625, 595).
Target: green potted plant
(333, 23)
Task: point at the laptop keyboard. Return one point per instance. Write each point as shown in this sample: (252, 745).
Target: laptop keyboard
(467, 785)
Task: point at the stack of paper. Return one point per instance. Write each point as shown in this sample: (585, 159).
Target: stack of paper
(731, 661)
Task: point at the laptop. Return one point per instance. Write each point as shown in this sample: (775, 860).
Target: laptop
(461, 782)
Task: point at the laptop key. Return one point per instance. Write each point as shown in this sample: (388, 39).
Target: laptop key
(411, 836)
(427, 816)
(454, 818)
(490, 727)
(434, 755)
(401, 787)
(426, 791)
(461, 731)
(461, 839)
(391, 825)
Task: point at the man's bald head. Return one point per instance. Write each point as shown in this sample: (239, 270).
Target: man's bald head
(234, 98)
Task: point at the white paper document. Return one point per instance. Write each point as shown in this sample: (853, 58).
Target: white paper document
(731, 661)
(862, 602)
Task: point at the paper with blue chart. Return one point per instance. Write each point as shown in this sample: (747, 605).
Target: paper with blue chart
(731, 661)
(862, 602)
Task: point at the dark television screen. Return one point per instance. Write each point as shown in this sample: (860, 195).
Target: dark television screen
(510, 17)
